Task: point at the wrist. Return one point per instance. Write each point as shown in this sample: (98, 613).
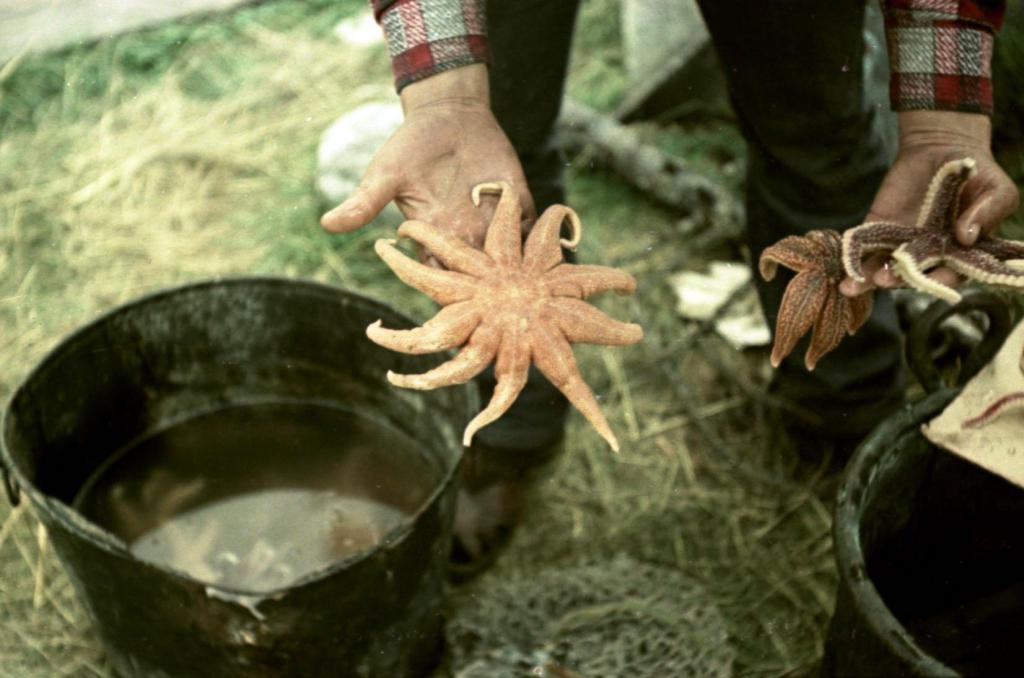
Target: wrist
(945, 128)
(466, 86)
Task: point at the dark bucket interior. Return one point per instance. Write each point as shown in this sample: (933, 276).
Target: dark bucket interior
(954, 574)
(263, 355)
(942, 544)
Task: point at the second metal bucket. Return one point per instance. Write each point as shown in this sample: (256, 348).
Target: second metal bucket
(929, 547)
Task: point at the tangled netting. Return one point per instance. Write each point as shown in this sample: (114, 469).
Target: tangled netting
(599, 620)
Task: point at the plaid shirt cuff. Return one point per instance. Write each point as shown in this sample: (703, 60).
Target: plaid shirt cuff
(940, 53)
(426, 37)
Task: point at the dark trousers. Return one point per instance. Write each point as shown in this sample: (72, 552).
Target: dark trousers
(819, 137)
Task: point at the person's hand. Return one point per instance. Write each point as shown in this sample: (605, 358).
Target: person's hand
(929, 139)
(448, 143)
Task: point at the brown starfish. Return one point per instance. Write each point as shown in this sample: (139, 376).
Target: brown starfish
(510, 303)
(812, 296)
(932, 241)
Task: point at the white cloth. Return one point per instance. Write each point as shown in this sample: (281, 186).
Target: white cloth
(985, 423)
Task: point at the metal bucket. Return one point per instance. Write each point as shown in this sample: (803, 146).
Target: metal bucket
(193, 350)
(919, 531)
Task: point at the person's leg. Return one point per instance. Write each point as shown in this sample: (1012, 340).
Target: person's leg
(529, 42)
(820, 140)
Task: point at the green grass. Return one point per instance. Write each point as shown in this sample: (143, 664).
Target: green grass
(598, 77)
(74, 79)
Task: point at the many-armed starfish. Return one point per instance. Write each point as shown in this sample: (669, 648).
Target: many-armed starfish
(932, 241)
(812, 296)
(511, 303)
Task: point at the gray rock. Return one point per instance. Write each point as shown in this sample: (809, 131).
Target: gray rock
(348, 146)
(654, 31)
(360, 30)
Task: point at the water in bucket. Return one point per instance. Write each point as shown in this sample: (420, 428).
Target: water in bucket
(255, 497)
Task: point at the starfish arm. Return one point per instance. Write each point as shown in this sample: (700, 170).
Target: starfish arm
(985, 268)
(449, 250)
(829, 328)
(555, 360)
(583, 280)
(582, 323)
(860, 311)
(449, 328)
(831, 263)
(1003, 250)
(543, 248)
(470, 361)
(795, 252)
(912, 260)
(941, 205)
(871, 237)
(510, 371)
(801, 305)
(504, 240)
(444, 287)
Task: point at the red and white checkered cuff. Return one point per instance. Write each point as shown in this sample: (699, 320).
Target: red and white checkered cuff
(940, 65)
(941, 53)
(426, 37)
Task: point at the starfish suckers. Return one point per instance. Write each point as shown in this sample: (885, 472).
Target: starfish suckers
(932, 241)
(512, 303)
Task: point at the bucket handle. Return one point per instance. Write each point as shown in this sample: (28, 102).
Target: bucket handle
(922, 329)
(13, 491)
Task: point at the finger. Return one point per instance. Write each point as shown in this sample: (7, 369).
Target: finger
(527, 204)
(852, 288)
(887, 278)
(945, 276)
(988, 210)
(870, 267)
(365, 203)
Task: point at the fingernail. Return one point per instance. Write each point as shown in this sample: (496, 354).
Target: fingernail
(326, 219)
(971, 232)
(851, 288)
(344, 209)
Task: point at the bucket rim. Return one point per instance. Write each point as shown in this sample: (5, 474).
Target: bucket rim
(82, 528)
(849, 554)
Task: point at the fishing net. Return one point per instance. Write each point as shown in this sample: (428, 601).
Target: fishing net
(597, 620)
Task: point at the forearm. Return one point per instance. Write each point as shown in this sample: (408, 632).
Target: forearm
(429, 37)
(940, 53)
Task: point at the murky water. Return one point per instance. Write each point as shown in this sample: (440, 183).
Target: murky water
(255, 497)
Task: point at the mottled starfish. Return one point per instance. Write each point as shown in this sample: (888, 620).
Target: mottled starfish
(510, 303)
(932, 241)
(812, 297)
